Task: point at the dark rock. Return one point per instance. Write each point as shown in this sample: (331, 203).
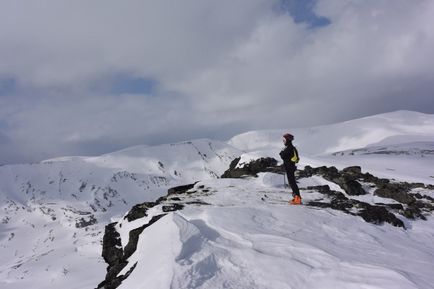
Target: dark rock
(371, 214)
(418, 204)
(111, 245)
(354, 170)
(198, 202)
(322, 189)
(161, 199)
(367, 177)
(82, 222)
(307, 172)
(180, 189)
(351, 187)
(172, 208)
(379, 215)
(414, 211)
(418, 196)
(341, 203)
(392, 206)
(428, 207)
(139, 211)
(329, 173)
(112, 281)
(232, 167)
(252, 168)
(396, 192)
(381, 182)
(347, 179)
(338, 200)
(417, 185)
(118, 258)
(319, 204)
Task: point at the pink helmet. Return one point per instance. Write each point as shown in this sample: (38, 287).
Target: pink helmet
(288, 136)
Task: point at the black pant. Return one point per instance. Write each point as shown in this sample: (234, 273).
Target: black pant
(291, 181)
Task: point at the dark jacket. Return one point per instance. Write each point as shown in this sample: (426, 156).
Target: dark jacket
(286, 154)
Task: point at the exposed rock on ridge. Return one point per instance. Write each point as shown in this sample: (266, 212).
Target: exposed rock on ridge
(351, 180)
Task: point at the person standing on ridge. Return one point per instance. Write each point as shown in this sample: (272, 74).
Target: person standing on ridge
(290, 158)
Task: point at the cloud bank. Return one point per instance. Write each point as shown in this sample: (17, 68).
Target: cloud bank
(88, 77)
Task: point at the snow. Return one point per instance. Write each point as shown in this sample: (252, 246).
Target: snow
(242, 242)
(159, 252)
(239, 240)
(395, 127)
(401, 168)
(45, 202)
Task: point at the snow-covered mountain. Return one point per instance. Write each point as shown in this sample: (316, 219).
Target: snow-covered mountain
(389, 128)
(53, 214)
(326, 145)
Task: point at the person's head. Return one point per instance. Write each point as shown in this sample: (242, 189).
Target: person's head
(287, 138)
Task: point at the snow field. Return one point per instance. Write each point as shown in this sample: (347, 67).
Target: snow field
(240, 241)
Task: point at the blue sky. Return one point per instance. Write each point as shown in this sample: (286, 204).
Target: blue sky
(302, 11)
(7, 86)
(89, 77)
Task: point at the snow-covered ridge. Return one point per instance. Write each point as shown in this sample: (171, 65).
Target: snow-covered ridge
(417, 149)
(197, 158)
(64, 204)
(389, 128)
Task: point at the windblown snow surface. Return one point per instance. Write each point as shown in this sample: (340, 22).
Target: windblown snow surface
(53, 214)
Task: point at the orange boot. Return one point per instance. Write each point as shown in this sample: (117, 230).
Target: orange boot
(296, 201)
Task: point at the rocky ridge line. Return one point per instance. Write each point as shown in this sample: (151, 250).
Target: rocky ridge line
(351, 180)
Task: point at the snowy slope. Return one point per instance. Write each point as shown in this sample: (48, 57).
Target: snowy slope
(53, 214)
(412, 161)
(57, 210)
(240, 241)
(389, 128)
(397, 145)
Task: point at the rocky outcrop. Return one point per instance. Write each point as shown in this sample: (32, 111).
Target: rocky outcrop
(112, 253)
(347, 179)
(82, 222)
(117, 257)
(353, 182)
(397, 191)
(112, 250)
(252, 168)
(139, 211)
(376, 214)
(180, 189)
(412, 206)
(350, 186)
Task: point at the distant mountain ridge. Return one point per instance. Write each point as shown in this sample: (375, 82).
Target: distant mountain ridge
(388, 128)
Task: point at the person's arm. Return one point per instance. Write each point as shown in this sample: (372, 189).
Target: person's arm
(286, 154)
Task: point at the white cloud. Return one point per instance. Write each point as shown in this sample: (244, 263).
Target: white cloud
(59, 42)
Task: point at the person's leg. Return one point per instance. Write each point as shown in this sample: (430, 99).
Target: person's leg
(293, 183)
